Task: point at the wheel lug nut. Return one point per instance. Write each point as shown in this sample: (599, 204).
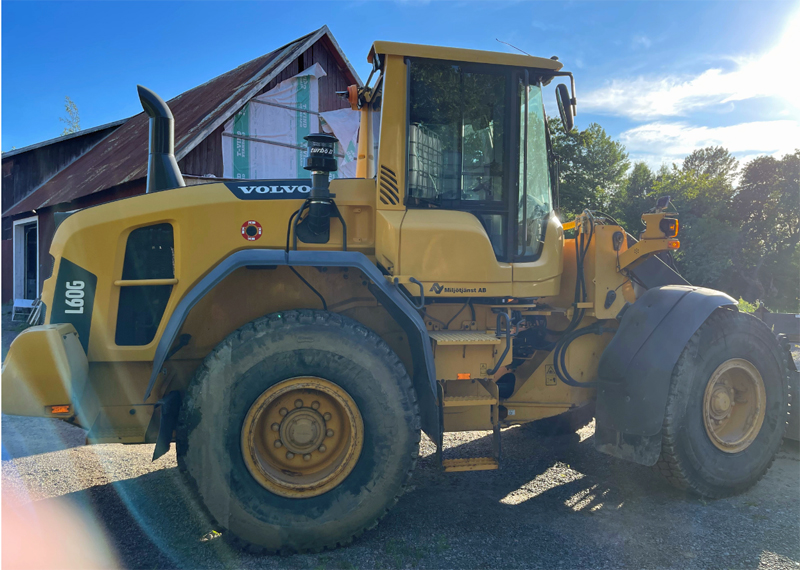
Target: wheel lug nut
(283, 411)
(322, 449)
(278, 443)
(326, 416)
(329, 433)
(298, 403)
(307, 457)
(276, 427)
(289, 455)
(315, 405)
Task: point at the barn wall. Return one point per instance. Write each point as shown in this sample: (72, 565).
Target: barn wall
(47, 229)
(206, 157)
(24, 172)
(7, 271)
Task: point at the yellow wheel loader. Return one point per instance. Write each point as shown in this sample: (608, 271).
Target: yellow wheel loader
(295, 337)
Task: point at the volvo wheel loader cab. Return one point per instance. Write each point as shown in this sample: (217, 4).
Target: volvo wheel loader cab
(294, 337)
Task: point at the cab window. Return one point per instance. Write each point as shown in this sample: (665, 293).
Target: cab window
(534, 174)
(457, 136)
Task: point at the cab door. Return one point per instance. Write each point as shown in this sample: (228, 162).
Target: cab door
(455, 236)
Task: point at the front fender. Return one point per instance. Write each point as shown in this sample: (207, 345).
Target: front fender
(636, 368)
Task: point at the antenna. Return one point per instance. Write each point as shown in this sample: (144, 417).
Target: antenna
(515, 47)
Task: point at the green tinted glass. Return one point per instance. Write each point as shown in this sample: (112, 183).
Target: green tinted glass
(534, 174)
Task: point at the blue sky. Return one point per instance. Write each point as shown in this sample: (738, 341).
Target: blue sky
(662, 77)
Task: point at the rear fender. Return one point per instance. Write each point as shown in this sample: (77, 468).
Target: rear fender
(387, 294)
(636, 368)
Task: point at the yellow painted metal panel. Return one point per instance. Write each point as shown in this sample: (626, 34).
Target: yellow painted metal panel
(387, 239)
(392, 150)
(207, 221)
(542, 278)
(45, 366)
(452, 249)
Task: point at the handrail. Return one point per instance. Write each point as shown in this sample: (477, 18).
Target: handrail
(144, 282)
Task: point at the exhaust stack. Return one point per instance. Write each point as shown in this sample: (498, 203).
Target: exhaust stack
(162, 167)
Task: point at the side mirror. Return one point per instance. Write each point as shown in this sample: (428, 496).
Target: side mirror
(565, 107)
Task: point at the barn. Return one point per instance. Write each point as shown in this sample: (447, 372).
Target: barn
(109, 162)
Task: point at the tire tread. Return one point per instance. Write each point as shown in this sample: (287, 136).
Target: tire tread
(670, 464)
(261, 326)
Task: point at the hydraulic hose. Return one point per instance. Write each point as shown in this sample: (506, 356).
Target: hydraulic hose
(570, 333)
(560, 355)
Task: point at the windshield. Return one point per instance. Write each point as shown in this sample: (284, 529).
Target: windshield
(534, 173)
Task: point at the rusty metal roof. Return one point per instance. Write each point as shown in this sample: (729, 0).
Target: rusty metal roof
(122, 156)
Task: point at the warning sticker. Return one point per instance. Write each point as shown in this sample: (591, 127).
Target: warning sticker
(549, 375)
(251, 230)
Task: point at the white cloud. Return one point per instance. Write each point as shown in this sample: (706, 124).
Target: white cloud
(663, 142)
(644, 98)
(641, 41)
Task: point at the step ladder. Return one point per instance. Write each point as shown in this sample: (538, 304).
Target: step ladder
(491, 399)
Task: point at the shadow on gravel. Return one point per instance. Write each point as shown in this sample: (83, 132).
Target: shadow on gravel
(554, 503)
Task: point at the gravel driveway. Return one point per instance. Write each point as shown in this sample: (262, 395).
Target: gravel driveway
(555, 503)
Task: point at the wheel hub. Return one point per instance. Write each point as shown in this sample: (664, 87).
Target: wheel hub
(734, 405)
(302, 430)
(302, 437)
(720, 403)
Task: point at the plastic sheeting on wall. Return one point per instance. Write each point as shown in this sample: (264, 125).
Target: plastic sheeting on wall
(265, 139)
(344, 123)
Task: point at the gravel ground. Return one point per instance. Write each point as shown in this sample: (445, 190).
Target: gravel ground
(555, 503)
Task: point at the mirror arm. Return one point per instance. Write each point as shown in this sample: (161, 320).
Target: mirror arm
(573, 100)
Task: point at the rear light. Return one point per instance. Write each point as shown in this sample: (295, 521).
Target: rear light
(669, 226)
(673, 244)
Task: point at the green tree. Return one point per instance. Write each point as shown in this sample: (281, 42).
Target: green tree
(73, 118)
(592, 167)
(708, 238)
(767, 205)
(712, 161)
(633, 198)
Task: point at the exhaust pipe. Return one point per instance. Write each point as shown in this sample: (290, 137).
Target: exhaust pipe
(162, 167)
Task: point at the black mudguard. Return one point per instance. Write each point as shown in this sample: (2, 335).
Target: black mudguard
(636, 368)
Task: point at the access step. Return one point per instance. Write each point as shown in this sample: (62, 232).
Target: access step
(459, 338)
(470, 464)
(453, 401)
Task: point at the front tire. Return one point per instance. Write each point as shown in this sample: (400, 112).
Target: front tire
(727, 407)
(299, 432)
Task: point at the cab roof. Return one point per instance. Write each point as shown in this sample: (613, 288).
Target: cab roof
(460, 54)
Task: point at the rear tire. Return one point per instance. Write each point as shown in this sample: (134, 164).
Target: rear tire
(248, 365)
(700, 451)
